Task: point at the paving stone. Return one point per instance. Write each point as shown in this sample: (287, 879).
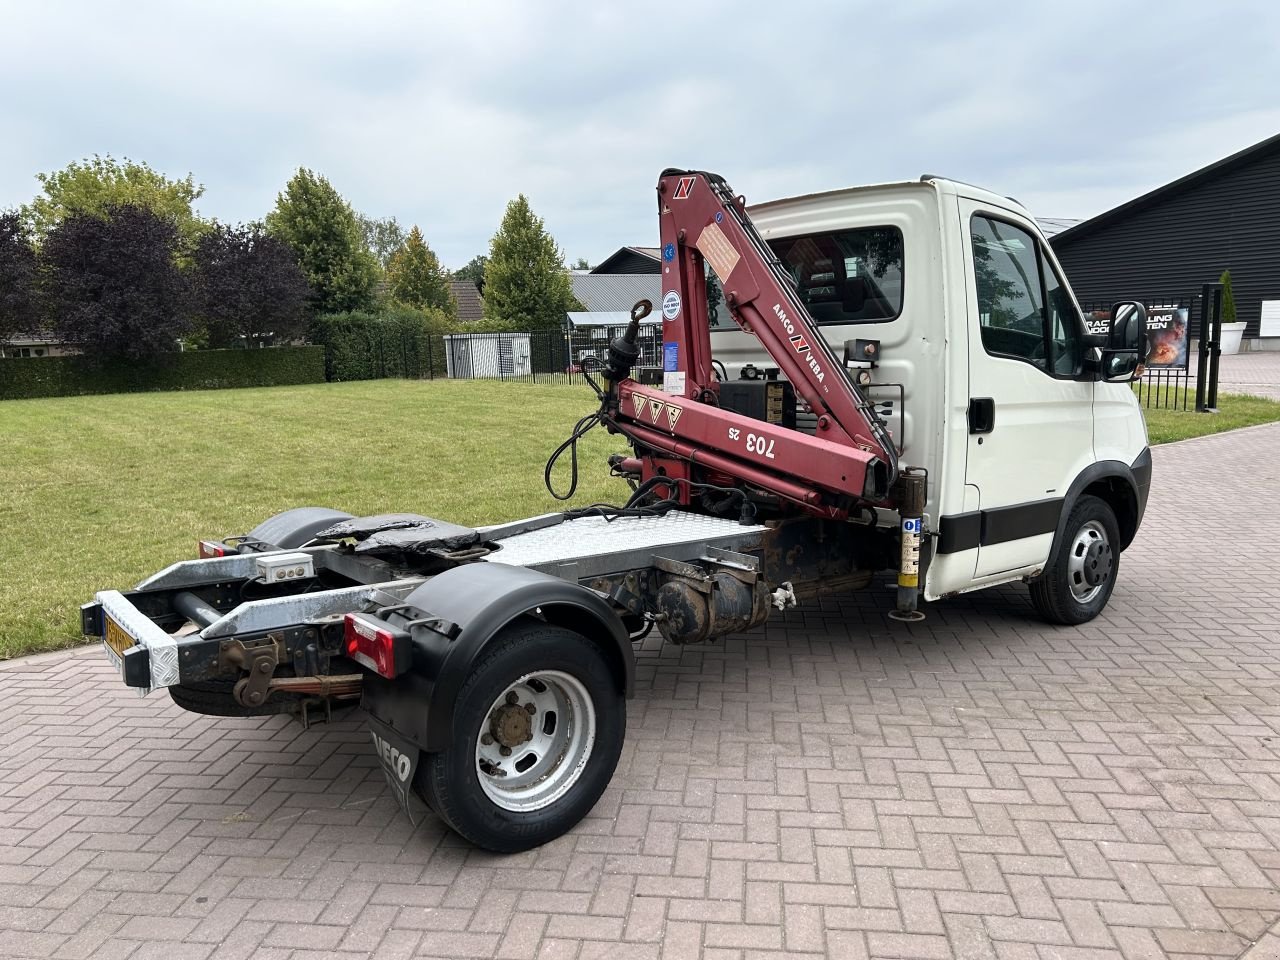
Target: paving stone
(975, 786)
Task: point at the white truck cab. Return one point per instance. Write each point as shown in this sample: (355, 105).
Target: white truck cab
(984, 369)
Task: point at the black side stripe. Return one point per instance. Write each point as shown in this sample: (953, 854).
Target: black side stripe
(964, 531)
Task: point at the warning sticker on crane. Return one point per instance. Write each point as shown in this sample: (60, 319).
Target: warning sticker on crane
(684, 188)
(718, 251)
(673, 414)
(655, 410)
(638, 404)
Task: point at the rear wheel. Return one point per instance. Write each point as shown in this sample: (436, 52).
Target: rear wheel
(538, 730)
(1078, 582)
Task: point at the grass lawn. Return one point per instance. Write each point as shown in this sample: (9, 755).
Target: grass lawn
(99, 492)
(1165, 426)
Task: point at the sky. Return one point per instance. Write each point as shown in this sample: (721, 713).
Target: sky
(438, 114)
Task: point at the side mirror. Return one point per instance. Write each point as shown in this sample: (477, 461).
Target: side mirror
(1126, 349)
(1128, 329)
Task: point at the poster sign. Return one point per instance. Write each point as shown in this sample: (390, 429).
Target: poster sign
(1098, 322)
(1167, 336)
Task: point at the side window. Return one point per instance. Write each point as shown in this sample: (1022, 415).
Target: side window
(1010, 297)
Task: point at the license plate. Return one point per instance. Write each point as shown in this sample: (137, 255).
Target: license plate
(115, 638)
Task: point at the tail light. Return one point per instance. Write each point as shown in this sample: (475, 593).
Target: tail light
(209, 549)
(375, 644)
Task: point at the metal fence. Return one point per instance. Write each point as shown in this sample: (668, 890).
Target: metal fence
(542, 356)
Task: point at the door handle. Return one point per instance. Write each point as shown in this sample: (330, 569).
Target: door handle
(982, 414)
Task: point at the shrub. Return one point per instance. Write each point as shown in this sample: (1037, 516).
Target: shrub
(192, 370)
(399, 341)
(1228, 298)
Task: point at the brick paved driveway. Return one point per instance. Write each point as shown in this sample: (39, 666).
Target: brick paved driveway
(979, 786)
(1256, 373)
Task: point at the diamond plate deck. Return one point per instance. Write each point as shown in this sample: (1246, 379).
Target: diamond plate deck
(592, 545)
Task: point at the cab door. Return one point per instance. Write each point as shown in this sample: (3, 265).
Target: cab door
(1030, 410)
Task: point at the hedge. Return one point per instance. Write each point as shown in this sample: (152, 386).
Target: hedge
(191, 370)
(396, 342)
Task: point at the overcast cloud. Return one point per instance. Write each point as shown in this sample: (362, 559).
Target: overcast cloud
(439, 114)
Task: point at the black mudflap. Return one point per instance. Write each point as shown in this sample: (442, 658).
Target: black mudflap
(399, 761)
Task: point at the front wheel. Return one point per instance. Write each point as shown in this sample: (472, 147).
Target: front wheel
(1077, 584)
(538, 730)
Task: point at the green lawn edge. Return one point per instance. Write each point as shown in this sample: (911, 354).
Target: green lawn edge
(102, 491)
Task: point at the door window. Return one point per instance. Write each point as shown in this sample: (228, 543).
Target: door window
(1024, 311)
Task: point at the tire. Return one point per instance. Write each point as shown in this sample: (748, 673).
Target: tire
(574, 736)
(214, 698)
(293, 528)
(1077, 584)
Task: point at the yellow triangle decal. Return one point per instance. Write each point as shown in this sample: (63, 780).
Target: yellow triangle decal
(673, 414)
(655, 411)
(639, 403)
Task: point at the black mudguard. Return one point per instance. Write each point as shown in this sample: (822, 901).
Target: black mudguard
(481, 599)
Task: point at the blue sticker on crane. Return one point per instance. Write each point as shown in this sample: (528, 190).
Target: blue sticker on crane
(670, 357)
(719, 216)
(669, 252)
(912, 525)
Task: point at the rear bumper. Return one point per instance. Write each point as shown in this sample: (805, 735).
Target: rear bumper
(149, 657)
(153, 659)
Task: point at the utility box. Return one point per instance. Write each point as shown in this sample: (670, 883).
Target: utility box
(497, 356)
(773, 401)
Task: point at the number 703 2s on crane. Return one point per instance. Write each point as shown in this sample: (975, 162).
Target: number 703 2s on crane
(887, 378)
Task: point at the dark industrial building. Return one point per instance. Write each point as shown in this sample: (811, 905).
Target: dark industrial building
(1168, 242)
(631, 260)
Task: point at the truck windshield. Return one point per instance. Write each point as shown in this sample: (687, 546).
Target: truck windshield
(846, 276)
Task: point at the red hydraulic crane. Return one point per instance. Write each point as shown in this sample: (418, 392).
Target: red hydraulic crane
(680, 432)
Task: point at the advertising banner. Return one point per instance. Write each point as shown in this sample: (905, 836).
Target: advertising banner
(1167, 336)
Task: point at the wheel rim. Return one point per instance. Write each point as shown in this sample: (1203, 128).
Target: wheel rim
(535, 740)
(1089, 563)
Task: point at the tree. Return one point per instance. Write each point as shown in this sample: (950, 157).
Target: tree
(248, 286)
(526, 285)
(1228, 298)
(416, 277)
(93, 186)
(581, 264)
(110, 284)
(17, 277)
(473, 271)
(382, 237)
(312, 218)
